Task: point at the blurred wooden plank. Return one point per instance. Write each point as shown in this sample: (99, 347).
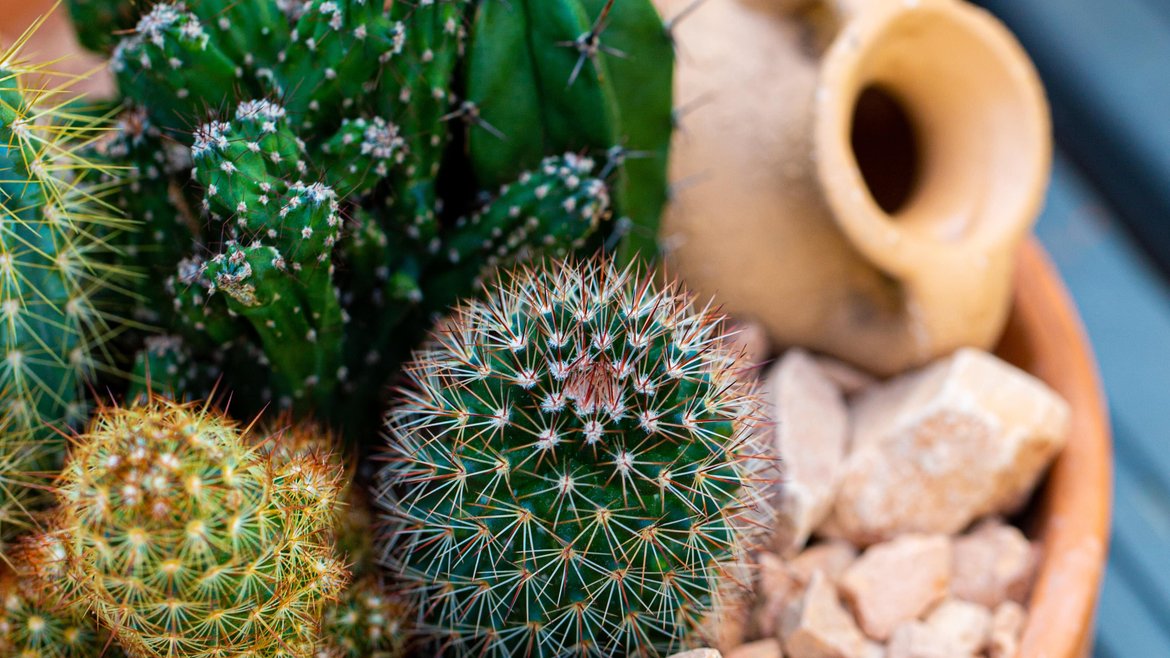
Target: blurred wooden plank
(1105, 67)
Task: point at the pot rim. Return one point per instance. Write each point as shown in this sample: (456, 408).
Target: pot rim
(1045, 337)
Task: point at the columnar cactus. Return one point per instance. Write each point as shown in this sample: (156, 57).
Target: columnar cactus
(54, 269)
(341, 150)
(572, 468)
(190, 539)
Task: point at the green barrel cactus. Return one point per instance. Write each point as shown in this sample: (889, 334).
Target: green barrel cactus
(357, 167)
(188, 538)
(572, 468)
(58, 283)
(41, 616)
(370, 621)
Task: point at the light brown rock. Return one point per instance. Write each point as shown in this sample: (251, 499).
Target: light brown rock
(956, 629)
(769, 648)
(935, 449)
(832, 557)
(698, 653)
(818, 626)
(730, 628)
(994, 563)
(777, 586)
(811, 430)
(751, 339)
(848, 379)
(897, 581)
(1007, 625)
(962, 624)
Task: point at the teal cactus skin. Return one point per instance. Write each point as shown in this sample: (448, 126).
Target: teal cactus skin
(371, 113)
(572, 469)
(189, 538)
(57, 283)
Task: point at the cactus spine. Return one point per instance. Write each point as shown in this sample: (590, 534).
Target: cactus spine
(41, 616)
(571, 468)
(391, 125)
(55, 276)
(188, 539)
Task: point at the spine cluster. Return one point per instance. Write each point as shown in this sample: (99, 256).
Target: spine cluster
(571, 468)
(57, 279)
(188, 538)
(315, 178)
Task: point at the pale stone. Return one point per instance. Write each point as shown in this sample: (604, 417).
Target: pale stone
(897, 581)
(832, 557)
(776, 588)
(769, 648)
(811, 430)
(963, 625)
(730, 628)
(994, 563)
(749, 337)
(956, 629)
(1007, 625)
(935, 449)
(848, 379)
(914, 639)
(698, 653)
(818, 626)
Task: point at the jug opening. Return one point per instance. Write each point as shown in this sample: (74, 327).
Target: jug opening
(885, 146)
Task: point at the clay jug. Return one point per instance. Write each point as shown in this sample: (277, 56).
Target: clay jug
(855, 176)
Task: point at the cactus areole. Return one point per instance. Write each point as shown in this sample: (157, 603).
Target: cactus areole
(572, 468)
(357, 166)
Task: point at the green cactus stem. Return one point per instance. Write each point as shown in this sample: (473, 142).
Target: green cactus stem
(189, 540)
(42, 616)
(572, 468)
(57, 283)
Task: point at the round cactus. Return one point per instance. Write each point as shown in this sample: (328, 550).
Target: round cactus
(572, 468)
(189, 539)
(41, 617)
(369, 622)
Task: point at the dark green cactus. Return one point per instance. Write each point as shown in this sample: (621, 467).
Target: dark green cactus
(572, 469)
(342, 156)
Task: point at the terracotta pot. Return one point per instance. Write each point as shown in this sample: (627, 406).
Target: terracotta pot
(1043, 334)
(1044, 337)
(862, 199)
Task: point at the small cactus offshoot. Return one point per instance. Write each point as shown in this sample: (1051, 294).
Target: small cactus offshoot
(572, 468)
(189, 538)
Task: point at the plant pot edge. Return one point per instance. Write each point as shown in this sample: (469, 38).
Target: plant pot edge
(1045, 337)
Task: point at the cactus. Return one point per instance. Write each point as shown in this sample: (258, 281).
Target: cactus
(41, 617)
(57, 286)
(572, 468)
(188, 538)
(374, 129)
(370, 621)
